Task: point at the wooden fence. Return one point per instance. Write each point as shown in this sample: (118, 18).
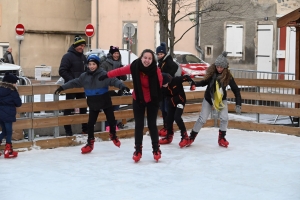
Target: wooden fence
(31, 123)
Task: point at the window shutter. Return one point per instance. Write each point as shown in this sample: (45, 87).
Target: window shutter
(234, 40)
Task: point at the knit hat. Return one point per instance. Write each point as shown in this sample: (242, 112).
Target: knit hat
(222, 60)
(162, 48)
(78, 41)
(94, 58)
(10, 78)
(113, 49)
(166, 78)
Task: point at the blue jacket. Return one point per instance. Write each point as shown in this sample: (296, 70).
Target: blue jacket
(9, 100)
(96, 91)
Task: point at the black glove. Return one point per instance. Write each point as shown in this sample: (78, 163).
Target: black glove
(58, 90)
(103, 77)
(123, 91)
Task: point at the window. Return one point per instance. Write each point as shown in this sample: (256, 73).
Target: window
(3, 48)
(234, 40)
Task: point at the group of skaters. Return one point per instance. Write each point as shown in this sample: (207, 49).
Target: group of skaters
(155, 87)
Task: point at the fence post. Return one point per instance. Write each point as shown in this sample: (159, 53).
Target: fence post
(257, 103)
(56, 113)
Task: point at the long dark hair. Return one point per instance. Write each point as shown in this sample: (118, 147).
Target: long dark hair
(148, 51)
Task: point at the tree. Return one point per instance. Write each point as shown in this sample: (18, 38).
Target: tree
(193, 9)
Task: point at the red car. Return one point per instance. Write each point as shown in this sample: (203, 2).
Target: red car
(190, 64)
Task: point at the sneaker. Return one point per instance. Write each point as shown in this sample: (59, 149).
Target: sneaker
(166, 140)
(9, 152)
(115, 140)
(184, 140)
(137, 154)
(192, 137)
(162, 132)
(88, 147)
(156, 152)
(221, 139)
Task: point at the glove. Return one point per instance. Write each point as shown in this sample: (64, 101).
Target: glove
(193, 85)
(58, 90)
(123, 91)
(238, 109)
(103, 77)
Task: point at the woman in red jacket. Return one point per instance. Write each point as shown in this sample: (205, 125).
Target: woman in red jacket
(147, 83)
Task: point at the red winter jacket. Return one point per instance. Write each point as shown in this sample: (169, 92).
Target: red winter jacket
(144, 80)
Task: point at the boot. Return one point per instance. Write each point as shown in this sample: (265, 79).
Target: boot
(156, 151)
(184, 140)
(115, 139)
(89, 146)
(138, 153)
(166, 140)
(192, 137)
(221, 140)
(162, 132)
(8, 152)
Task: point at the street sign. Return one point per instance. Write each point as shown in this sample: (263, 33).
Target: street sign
(89, 30)
(20, 30)
(129, 30)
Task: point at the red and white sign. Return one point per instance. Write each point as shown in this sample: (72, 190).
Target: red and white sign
(89, 30)
(20, 30)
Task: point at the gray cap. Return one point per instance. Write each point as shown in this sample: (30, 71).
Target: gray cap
(222, 60)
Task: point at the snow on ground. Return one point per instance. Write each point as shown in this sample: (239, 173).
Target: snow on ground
(256, 165)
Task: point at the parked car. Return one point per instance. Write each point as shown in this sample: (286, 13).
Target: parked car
(190, 64)
(103, 52)
(14, 69)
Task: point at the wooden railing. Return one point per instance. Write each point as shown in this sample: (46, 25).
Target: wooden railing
(58, 120)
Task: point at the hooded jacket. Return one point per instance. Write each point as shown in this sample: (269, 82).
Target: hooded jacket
(9, 100)
(72, 64)
(96, 91)
(167, 65)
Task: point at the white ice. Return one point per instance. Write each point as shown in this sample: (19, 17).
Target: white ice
(255, 166)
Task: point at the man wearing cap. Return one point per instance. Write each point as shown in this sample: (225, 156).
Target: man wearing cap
(72, 65)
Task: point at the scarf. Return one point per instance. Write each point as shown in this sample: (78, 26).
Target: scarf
(216, 93)
(136, 68)
(115, 63)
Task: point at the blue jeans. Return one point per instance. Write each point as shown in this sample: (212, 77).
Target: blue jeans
(6, 131)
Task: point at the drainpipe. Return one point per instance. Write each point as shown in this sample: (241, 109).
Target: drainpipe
(197, 36)
(97, 25)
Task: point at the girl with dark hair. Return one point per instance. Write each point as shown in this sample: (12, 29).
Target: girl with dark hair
(217, 78)
(147, 83)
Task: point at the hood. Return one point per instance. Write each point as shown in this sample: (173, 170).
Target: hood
(72, 49)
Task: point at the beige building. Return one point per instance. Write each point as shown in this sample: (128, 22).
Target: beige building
(50, 27)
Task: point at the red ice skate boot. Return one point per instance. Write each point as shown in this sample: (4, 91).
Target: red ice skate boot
(115, 139)
(138, 153)
(184, 140)
(192, 137)
(162, 132)
(166, 140)
(89, 146)
(156, 151)
(221, 140)
(9, 152)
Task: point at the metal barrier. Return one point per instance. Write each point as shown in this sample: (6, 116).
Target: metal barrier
(252, 74)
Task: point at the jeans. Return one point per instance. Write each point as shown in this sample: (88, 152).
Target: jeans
(175, 113)
(139, 114)
(206, 110)
(6, 131)
(164, 110)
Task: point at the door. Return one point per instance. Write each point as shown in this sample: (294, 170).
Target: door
(264, 48)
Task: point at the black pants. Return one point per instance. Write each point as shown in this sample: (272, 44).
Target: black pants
(175, 113)
(110, 117)
(164, 105)
(68, 128)
(139, 114)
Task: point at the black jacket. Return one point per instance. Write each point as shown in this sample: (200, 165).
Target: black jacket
(6, 59)
(209, 89)
(72, 64)
(175, 92)
(167, 65)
